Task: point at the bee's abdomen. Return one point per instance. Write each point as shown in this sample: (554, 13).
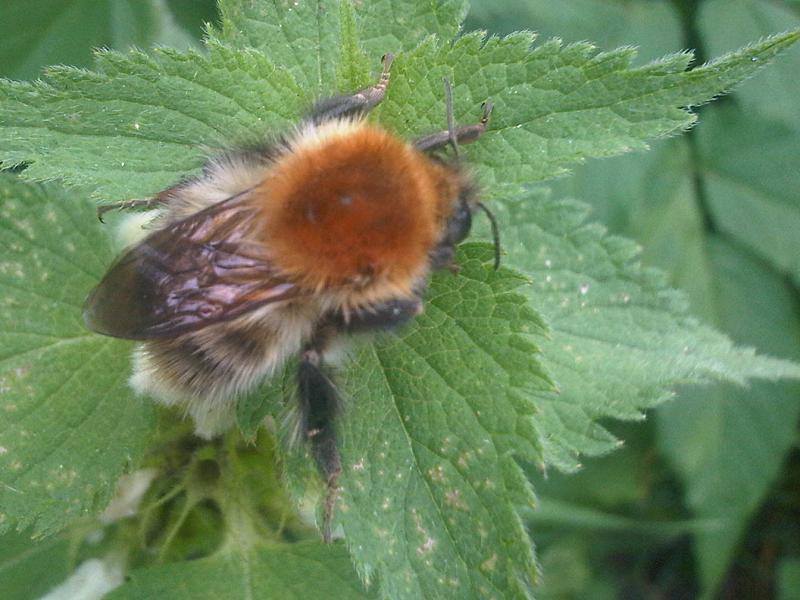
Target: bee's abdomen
(205, 372)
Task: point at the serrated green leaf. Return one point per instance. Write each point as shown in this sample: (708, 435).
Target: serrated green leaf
(557, 105)
(282, 571)
(353, 64)
(715, 430)
(438, 416)
(69, 424)
(111, 125)
(136, 125)
(651, 197)
(619, 337)
(304, 37)
(721, 437)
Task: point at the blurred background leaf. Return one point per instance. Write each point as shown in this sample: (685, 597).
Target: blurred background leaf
(653, 26)
(28, 568)
(789, 579)
(36, 33)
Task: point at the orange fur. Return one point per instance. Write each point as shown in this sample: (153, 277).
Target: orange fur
(355, 210)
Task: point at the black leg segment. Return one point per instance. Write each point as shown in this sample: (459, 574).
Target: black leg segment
(145, 203)
(319, 400)
(462, 135)
(358, 103)
(319, 406)
(384, 316)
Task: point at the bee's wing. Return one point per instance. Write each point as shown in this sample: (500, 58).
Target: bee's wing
(190, 274)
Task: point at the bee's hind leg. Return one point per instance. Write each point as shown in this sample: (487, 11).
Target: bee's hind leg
(319, 400)
(319, 406)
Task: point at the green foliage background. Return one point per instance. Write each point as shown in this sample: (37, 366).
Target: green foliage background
(718, 210)
(676, 509)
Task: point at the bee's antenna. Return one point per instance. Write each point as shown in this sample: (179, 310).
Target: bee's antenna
(451, 120)
(495, 233)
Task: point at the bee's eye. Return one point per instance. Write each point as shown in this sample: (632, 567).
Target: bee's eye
(459, 224)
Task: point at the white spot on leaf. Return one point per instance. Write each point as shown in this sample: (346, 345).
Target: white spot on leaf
(426, 546)
(490, 563)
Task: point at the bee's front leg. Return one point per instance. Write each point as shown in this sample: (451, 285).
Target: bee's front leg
(465, 134)
(357, 103)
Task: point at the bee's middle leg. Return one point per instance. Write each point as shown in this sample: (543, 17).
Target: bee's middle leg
(159, 199)
(381, 317)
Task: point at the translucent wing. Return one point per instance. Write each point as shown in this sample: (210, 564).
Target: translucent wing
(192, 273)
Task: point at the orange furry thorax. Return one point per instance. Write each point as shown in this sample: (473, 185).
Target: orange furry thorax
(355, 208)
